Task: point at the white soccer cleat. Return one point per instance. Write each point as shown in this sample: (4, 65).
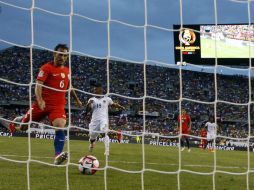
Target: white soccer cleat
(60, 158)
(182, 149)
(189, 150)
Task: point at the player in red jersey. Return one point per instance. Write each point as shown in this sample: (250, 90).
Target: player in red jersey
(185, 120)
(119, 135)
(51, 99)
(203, 141)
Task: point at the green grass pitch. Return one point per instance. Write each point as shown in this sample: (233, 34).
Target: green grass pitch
(124, 156)
(224, 50)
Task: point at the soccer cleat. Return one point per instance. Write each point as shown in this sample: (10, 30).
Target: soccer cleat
(60, 158)
(211, 150)
(189, 150)
(182, 149)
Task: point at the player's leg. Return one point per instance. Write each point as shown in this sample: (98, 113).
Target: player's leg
(59, 141)
(92, 142)
(212, 144)
(202, 143)
(14, 125)
(182, 144)
(209, 139)
(184, 137)
(104, 128)
(35, 113)
(205, 144)
(106, 143)
(119, 138)
(94, 127)
(208, 144)
(58, 119)
(187, 142)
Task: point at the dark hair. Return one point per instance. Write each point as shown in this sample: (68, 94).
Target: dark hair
(62, 46)
(211, 118)
(97, 85)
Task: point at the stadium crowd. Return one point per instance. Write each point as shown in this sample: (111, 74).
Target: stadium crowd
(237, 32)
(127, 79)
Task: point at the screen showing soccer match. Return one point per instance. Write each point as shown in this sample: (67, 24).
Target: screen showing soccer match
(231, 41)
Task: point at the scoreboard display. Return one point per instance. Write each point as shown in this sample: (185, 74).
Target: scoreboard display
(201, 44)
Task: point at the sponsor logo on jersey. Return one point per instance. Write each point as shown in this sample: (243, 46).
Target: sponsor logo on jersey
(55, 75)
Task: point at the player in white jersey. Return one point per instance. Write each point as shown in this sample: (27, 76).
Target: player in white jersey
(98, 106)
(211, 132)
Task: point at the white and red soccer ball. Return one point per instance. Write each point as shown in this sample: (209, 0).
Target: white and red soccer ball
(88, 165)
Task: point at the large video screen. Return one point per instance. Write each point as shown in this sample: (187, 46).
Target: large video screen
(195, 44)
(231, 41)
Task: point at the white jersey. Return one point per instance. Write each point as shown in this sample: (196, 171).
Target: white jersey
(211, 128)
(100, 108)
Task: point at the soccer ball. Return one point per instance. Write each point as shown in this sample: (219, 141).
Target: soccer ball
(87, 165)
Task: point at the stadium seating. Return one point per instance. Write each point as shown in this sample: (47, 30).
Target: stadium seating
(128, 79)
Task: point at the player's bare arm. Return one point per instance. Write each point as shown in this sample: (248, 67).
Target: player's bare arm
(75, 96)
(190, 125)
(178, 125)
(116, 105)
(88, 110)
(38, 94)
(88, 107)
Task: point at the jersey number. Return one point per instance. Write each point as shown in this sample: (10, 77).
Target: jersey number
(61, 84)
(98, 105)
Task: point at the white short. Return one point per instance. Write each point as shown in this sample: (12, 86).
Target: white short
(95, 127)
(210, 136)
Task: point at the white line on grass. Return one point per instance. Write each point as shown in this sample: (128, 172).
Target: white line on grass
(149, 163)
(187, 165)
(19, 156)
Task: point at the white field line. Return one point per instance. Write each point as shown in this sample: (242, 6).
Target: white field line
(149, 163)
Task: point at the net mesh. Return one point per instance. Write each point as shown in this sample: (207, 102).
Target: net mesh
(144, 98)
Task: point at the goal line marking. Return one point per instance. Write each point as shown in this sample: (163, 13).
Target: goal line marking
(149, 163)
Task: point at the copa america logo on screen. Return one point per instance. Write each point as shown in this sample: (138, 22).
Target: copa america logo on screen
(187, 37)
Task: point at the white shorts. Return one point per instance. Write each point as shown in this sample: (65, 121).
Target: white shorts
(210, 136)
(96, 127)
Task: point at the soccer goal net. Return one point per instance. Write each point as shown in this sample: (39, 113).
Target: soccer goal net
(151, 146)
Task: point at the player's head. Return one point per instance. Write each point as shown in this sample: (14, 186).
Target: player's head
(98, 88)
(211, 119)
(61, 56)
(183, 112)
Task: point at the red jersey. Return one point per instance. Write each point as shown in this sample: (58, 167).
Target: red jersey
(185, 121)
(119, 134)
(203, 133)
(54, 77)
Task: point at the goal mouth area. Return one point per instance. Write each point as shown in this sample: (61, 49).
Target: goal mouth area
(132, 56)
